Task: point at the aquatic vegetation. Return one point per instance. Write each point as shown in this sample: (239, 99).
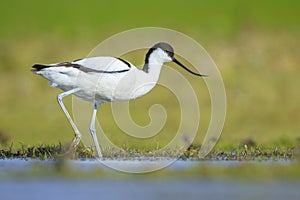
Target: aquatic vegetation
(239, 153)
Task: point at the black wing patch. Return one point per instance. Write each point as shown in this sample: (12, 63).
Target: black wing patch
(124, 61)
(77, 60)
(89, 70)
(38, 67)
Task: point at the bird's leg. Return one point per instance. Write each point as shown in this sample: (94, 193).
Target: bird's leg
(77, 137)
(93, 131)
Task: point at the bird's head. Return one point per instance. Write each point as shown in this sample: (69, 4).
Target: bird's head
(163, 52)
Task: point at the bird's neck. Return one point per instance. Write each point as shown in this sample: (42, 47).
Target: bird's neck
(147, 78)
(152, 67)
(152, 61)
(152, 70)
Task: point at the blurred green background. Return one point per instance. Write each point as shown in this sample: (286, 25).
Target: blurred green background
(256, 45)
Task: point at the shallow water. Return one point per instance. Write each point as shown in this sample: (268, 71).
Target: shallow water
(23, 165)
(138, 187)
(172, 189)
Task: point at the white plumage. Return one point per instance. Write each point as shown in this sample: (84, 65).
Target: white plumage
(106, 79)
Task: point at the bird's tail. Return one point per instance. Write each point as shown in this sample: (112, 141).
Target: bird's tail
(37, 67)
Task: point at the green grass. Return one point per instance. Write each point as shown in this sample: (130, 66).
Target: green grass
(261, 86)
(71, 19)
(239, 153)
(264, 168)
(255, 45)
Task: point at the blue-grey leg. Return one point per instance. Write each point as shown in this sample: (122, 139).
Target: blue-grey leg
(93, 131)
(77, 137)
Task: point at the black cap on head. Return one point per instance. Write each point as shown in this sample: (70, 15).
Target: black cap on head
(165, 47)
(170, 51)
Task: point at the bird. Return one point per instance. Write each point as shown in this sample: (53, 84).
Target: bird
(106, 79)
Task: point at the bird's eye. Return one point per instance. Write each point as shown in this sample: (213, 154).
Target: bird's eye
(170, 53)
